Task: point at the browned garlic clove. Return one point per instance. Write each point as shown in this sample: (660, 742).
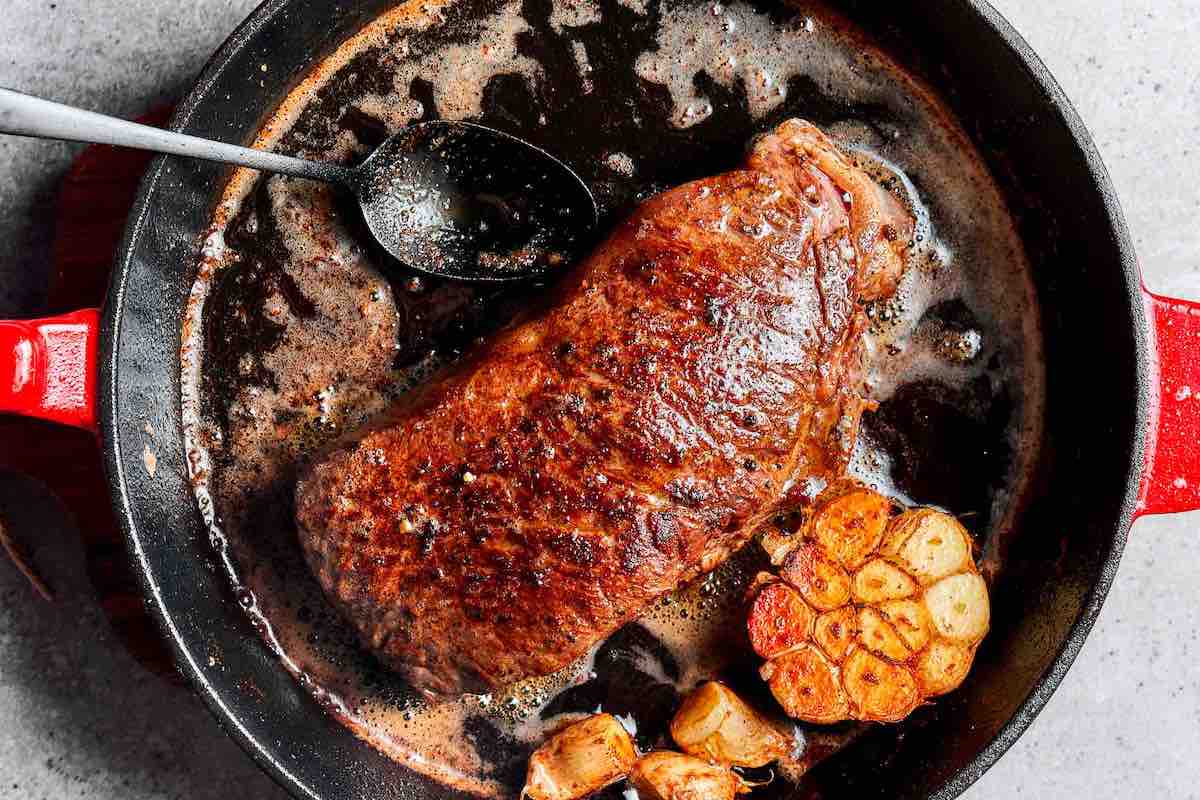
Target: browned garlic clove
(779, 620)
(715, 724)
(674, 776)
(579, 760)
(807, 686)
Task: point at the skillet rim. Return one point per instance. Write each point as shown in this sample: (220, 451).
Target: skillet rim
(267, 754)
(263, 754)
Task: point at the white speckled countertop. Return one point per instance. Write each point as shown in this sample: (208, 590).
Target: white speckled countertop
(78, 718)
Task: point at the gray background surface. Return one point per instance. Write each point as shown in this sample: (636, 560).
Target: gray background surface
(79, 718)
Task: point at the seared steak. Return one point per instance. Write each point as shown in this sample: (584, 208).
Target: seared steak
(623, 439)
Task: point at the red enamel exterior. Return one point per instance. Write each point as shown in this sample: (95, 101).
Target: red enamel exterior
(48, 368)
(1171, 477)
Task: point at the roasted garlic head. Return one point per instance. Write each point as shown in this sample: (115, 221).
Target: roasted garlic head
(871, 614)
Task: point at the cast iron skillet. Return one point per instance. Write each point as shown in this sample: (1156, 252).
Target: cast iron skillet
(1118, 423)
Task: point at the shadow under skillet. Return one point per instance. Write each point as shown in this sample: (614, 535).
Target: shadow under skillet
(81, 716)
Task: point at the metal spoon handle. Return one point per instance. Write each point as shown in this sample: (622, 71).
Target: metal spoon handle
(25, 115)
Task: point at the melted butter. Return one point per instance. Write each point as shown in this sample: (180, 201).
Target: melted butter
(734, 44)
(573, 14)
(460, 72)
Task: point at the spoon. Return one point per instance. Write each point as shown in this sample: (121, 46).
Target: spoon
(452, 199)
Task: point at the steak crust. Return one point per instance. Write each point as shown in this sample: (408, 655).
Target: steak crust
(621, 440)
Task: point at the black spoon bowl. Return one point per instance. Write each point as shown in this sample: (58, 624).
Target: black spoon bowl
(460, 200)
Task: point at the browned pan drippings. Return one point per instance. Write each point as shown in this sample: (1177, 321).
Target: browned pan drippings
(301, 329)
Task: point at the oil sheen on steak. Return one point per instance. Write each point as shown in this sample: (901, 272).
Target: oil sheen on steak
(622, 439)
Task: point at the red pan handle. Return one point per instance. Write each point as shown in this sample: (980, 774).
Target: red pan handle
(48, 368)
(1171, 476)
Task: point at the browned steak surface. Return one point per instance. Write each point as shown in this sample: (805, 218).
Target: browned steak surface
(622, 440)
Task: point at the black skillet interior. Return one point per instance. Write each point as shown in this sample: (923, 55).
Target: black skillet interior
(1058, 570)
